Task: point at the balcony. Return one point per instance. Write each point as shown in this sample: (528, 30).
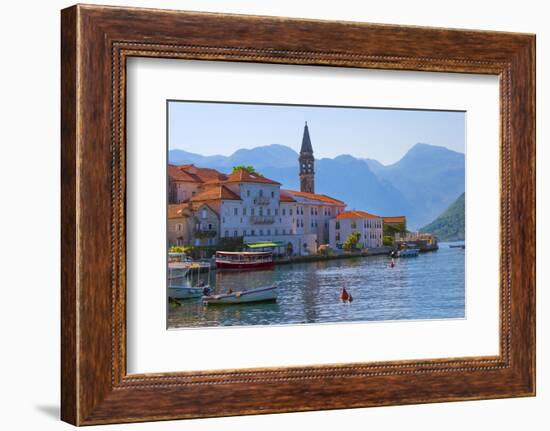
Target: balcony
(262, 219)
(205, 233)
(261, 200)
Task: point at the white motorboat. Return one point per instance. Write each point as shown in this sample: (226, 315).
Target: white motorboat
(408, 252)
(262, 294)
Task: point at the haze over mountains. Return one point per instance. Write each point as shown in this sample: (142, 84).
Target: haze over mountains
(421, 185)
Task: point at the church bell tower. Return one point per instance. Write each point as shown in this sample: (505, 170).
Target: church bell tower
(307, 162)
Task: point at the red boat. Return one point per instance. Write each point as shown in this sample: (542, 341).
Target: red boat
(244, 260)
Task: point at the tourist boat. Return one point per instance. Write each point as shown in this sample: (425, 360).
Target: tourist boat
(244, 260)
(261, 294)
(408, 252)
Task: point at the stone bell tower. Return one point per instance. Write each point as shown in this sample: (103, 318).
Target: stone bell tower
(307, 162)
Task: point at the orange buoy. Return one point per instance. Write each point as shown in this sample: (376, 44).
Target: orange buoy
(344, 295)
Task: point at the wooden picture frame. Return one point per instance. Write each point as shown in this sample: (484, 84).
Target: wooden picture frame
(95, 43)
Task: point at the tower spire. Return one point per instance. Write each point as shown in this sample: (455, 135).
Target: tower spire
(306, 141)
(307, 162)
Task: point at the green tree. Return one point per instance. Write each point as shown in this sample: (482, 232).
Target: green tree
(249, 169)
(351, 241)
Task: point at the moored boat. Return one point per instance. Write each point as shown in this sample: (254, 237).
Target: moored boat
(244, 260)
(179, 287)
(408, 252)
(262, 294)
(185, 292)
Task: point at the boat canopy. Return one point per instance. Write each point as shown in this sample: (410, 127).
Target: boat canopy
(266, 244)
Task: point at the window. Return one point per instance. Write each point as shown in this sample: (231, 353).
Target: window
(252, 233)
(179, 227)
(261, 232)
(209, 226)
(236, 233)
(289, 211)
(272, 194)
(252, 211)
(338, 237)
(261, 193)
(248, 193)
(337, 225)
(244, 211)
(284, 212)
(226, 233)
(261, 211)
(269, 232)
(276, 211)
(236, 211)
(353, 225)
(284, 231)
(204, 214)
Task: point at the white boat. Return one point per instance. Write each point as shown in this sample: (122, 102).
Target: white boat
(261, 294)
(185, 292)
(177, 273)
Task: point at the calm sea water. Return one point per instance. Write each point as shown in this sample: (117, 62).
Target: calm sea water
(430, 286)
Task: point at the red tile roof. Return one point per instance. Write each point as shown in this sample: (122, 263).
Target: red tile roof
(356, 214)
(395, 219)
(216, 193)
(315, 196)
(285, 196)
(198, 205)
(175, 210)
(242, 176)
(191, 173)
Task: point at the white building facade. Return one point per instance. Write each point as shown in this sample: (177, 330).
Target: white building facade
(369, 227)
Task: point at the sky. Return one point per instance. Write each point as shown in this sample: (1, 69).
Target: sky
(385, 135)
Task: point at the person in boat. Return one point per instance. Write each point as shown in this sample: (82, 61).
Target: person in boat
(392, 263)
(230, 291)
(201, 283)
(206, 291)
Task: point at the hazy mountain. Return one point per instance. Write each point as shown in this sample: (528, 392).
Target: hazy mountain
(449, 226)
(259, 157)
(421, 185)
(429, 177)
(374, 165)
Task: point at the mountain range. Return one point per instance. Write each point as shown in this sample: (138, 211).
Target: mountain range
(449, 226)
(421, 185)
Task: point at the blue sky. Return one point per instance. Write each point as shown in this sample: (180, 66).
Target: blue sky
(383, 134)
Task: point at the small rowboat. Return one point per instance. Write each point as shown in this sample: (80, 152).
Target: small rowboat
(262, 294)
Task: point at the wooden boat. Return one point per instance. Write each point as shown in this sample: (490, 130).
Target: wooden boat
(262, 294)
(244, 260)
